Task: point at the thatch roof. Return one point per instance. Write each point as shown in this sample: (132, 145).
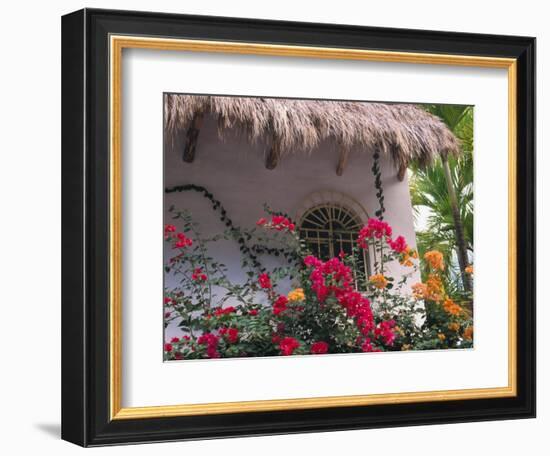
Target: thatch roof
(405, 132)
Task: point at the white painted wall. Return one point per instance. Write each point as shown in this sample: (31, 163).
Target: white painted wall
(233, 171)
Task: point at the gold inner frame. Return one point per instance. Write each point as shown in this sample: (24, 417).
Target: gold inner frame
(117, 44)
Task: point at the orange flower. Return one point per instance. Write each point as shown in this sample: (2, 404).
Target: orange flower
(451, 307)
(441, 337)
(469, 333)
(454, 327)
(469, 269)
(406, 256)
(435, 259)
(432, 290)
(296, 295)
(379, 281)
(435, 291)
(419, 290)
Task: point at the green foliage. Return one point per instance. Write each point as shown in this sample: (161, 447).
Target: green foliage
(429, 193)
(222, 318)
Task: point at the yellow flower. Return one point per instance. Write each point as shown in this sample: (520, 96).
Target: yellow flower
(469, 333)
(453, 327)
(435, 259)
(451, 307)
(441, 337)
(379, 281)
(469, 269)
(296, 295)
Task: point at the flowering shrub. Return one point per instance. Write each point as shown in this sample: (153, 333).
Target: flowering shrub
(332, 307)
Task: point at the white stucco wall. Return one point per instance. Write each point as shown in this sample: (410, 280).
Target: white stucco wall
(234, 172)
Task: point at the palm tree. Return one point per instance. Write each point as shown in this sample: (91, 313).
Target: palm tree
(445, 190)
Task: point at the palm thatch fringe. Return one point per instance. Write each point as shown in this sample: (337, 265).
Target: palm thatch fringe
(404, 132)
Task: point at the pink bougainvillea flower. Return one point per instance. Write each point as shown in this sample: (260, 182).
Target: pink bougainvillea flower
(373, 229)
(319, 348)
(277, 222)
(211, 342)
(281, 223)
(198, 275)
(367, 345)
(182, 241)
(288, 345)
(232, 335)
(310, 260)
(399, 244)
(280, 305)
(169, 229)
(265, 281)
(384, 330)
(220, 311)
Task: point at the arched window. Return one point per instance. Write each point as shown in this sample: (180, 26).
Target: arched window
(329, 229)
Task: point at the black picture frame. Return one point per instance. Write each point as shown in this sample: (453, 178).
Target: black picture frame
(85, 224)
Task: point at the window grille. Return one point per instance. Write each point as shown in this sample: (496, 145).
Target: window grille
(329, 229)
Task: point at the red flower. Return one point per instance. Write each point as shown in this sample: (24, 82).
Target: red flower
(265, 281)
(253, 312)
(182, 241)
(212, 352)
(178, 356)
(169, 229)
(221, 311)
(288, 345)
(310, 260)
(276, 339)
(399, 245)
(167, 300)
(232, 335)
(280, 305)
(278, 222)
(174, 340)
(167, 314)
(373, 229)
(367, 346)
(198, 275)
(211, 342)
(384, 330)
(168, 347)
(281, 223)
(319, 348)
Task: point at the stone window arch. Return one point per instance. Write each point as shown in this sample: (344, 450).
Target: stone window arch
(329, 223)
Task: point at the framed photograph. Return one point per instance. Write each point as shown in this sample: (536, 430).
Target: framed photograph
(275, 227)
